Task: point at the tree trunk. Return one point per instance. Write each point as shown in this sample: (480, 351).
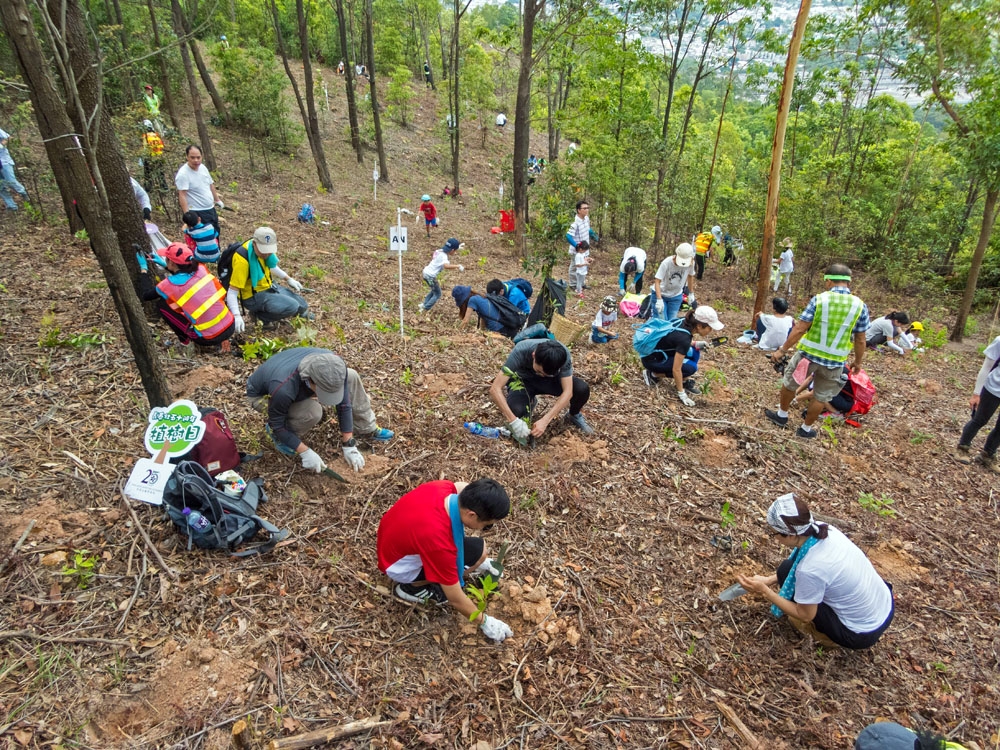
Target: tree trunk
(383, 167)
(161, 59)
(522, 125)
(985, 231)
(199, 117)
(308, 113)
(444, 55)
(126, 218)
(76, 165)
(454, 102)
(718, 136)
(777, 147)
(206, 78)
(427, 45)
(352, 107)
(971, 197)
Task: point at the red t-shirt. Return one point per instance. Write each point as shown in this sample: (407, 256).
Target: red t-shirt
(428, 210)
(419, 526)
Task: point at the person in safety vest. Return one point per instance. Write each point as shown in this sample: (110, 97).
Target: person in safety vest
(250, 283)
(152, 157)
(192, 300)
(703, 243)
(152, 102)
(832, 325)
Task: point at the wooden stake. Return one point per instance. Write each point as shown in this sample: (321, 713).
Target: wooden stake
(320, 736)
(739, 726)
(241, 735)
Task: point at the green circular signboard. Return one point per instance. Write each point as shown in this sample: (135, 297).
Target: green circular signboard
(179, 424)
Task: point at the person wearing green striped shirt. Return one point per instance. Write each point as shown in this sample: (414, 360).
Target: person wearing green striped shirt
(828, 330)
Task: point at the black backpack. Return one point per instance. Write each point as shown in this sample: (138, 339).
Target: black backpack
(224, 268)
(511, 319)
(234, 519)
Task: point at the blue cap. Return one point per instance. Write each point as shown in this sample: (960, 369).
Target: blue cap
(425, 197)
(461, 294)
(451, 245)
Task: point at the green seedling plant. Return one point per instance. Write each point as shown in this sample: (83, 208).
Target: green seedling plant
(515, 385)
(919, 438)
(385, 327)
(315, 272)
(488, 587)
(617, 378)
(673, 436)
(882, 505)
(262, 349)
(482, 263)
(81, 570)
(711, 378)
(407, 376)
(728, 518)
(827, 426)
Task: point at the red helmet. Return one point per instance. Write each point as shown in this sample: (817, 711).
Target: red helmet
(179, 253)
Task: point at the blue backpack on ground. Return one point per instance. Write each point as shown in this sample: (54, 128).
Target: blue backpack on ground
(308, 214)
(648, 334)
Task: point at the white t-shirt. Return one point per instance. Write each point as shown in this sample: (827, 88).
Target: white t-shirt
(881, 325)
(501, 119)
(640, 259)
(776, 330)
(580, 261)
(603, 319)
(836, 573)
(785, 264)
(436, 265)
(993, 379)
(197, 183)
(672, 277)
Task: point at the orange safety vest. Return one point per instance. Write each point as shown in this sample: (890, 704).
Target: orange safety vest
(201, 300)
(702, 242)
(154, 144)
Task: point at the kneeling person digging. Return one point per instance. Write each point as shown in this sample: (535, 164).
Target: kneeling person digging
(422, 545)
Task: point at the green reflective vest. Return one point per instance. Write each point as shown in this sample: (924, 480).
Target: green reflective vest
(829, 336)
(152, 104)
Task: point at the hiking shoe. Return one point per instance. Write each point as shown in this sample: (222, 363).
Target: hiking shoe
(987, 461)
(429, 593)
(381, 435)
(649, 378)
(802, 432)
(773, 416)
(690, 385)
(963, 454)
(280, 447)
(578, 421)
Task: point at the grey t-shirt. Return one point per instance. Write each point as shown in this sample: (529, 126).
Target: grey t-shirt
(672, 277)
(520, 360)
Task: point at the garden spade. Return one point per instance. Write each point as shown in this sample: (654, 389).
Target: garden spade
(328, 472)
(733, 592)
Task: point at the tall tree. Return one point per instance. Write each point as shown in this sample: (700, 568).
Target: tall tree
(454, 101)
(522, 122)
(352, 107)
(383, 167)
(307, 109)
(161, 61)
(199, 115)
(777, 149)
(206, 77)
(76, 161)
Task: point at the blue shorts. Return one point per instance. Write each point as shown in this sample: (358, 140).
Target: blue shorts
(431, 222)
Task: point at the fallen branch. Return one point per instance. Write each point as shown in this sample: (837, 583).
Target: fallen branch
(145, 537)
(739, 726)
(320, 736)
(9, 634)
(14, 550)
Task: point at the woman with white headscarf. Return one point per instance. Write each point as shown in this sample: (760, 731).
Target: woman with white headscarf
(827, 585)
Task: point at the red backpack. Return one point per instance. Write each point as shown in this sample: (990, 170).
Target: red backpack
(216, 451)
(864, 393)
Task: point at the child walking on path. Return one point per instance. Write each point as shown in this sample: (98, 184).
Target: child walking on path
(439, 261)
(429, 211)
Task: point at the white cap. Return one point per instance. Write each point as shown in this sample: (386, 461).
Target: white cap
(708, 316)
(265, 240)
(684, 255)
(717, 232)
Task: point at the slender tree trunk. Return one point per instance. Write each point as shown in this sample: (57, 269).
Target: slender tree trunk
(891, 225)
(161, 59)
(777, 147)
(522, 124)
(352, 107)
(718, 137)
(427, 46)
(985, 231)
(83, 181)
(206, 77)
(971, 198)
(199, 116)
(795, 132)
(383, 167)
(444, 54)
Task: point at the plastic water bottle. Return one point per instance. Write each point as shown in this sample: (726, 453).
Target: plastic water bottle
(477, 429)
(196, 520)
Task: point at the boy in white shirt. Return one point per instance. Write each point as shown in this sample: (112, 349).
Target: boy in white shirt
(772, 330)
(785, 266)
(439, 261)
(605, 318)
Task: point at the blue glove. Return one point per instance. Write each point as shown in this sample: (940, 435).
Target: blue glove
(570, 240)
(159, 260)
(141, 260)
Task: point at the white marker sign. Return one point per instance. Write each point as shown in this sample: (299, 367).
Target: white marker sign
(147, 480)
(397, 239)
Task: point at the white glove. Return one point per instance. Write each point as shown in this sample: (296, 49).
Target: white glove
(692, 301)
(461, 268)
(312, 461)
(354, 458)
(296, 286)
(494, 629)
(685, 399)
(659, 306)
(220, 204)
(239, 325)
(519, 429)
(487, 568)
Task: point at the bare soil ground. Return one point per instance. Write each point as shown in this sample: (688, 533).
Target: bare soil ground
(611, 580)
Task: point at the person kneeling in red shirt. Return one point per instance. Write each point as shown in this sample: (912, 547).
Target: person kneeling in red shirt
(423, 548)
